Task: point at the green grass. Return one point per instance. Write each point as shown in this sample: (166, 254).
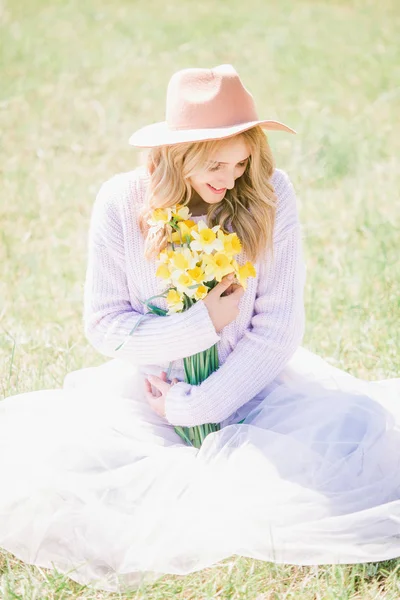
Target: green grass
(78, 77)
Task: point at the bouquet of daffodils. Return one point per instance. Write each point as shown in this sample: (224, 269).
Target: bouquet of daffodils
(193, 263)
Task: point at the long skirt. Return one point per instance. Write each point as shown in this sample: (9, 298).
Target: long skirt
(96, 485)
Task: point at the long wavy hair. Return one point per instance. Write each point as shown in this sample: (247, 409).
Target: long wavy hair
(249, 208)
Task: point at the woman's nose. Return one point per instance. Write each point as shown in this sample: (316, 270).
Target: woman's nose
(228, 181)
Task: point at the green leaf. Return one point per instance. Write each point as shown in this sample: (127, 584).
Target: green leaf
(185, 302)
(207, 362)
(201, 370)
(193, 370)
(182, 432)
(187, 370)
(156, 310)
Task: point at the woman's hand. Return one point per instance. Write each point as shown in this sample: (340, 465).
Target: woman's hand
(157, 399)
(222, 302)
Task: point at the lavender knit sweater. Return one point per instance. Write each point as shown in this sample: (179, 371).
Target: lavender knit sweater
(252, 350)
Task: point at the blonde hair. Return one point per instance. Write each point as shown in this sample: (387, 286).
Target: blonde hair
(249, 208)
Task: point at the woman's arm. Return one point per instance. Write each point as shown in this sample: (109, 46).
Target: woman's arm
(108, 313)
(276, 331)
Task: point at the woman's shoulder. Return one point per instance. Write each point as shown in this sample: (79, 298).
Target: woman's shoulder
(122, 189)
(280, 180)
(287, 216)
(115, 209)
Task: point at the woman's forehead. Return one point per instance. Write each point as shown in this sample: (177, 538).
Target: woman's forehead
(232, 151)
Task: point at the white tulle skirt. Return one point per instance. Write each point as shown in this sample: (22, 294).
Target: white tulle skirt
(95, 484)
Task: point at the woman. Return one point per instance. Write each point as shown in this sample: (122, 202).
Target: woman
(304, 469)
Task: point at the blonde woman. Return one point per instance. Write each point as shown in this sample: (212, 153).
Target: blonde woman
(305, 466)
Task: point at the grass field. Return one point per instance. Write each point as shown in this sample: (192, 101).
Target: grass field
(78, 77)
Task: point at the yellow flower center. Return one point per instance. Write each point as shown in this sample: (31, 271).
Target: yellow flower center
(185, 280)
(236, 244)
(221, 260)
(207, 236)
(196, 274)
(201, 292)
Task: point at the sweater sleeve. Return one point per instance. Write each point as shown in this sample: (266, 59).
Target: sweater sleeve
(108, 314)
(275, 332)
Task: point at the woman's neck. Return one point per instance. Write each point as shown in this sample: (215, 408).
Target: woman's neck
(197, 206)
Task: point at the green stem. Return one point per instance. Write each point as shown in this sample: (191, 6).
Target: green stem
(197, 368)
(182, 433)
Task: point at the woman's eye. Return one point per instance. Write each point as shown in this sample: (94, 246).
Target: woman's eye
(216, 167)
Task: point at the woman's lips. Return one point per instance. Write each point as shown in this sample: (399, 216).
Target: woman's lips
(215, 190)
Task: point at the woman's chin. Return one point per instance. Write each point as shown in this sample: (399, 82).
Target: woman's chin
(210, 198)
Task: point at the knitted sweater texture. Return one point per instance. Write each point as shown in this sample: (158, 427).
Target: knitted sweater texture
(252, 350)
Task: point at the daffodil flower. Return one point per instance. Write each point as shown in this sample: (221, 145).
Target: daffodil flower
(180, 212)
(201, 292)
(165, 256)
(218, 265)
(184, 285)
(205, 239)
(182, 259)
(163, 271)
(159, 218)
(185, 228)
(244, 272)
(189, 281)
(197, 274)
(174, 301)
(231, 242)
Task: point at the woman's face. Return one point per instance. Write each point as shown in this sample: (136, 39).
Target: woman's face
(225, 166)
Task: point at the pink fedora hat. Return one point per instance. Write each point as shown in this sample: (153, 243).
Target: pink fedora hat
(204, 104)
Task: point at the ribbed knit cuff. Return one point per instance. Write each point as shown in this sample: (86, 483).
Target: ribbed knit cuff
(181, 404)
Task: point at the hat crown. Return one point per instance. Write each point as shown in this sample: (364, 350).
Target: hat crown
(208, 98)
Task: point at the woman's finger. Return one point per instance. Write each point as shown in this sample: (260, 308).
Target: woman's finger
(154, 392)
(157, 404)
(158, 383)
(148, 394)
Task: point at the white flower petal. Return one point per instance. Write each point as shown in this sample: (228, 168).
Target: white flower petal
(196, 245)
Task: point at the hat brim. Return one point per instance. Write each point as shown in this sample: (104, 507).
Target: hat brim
(159, 134)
